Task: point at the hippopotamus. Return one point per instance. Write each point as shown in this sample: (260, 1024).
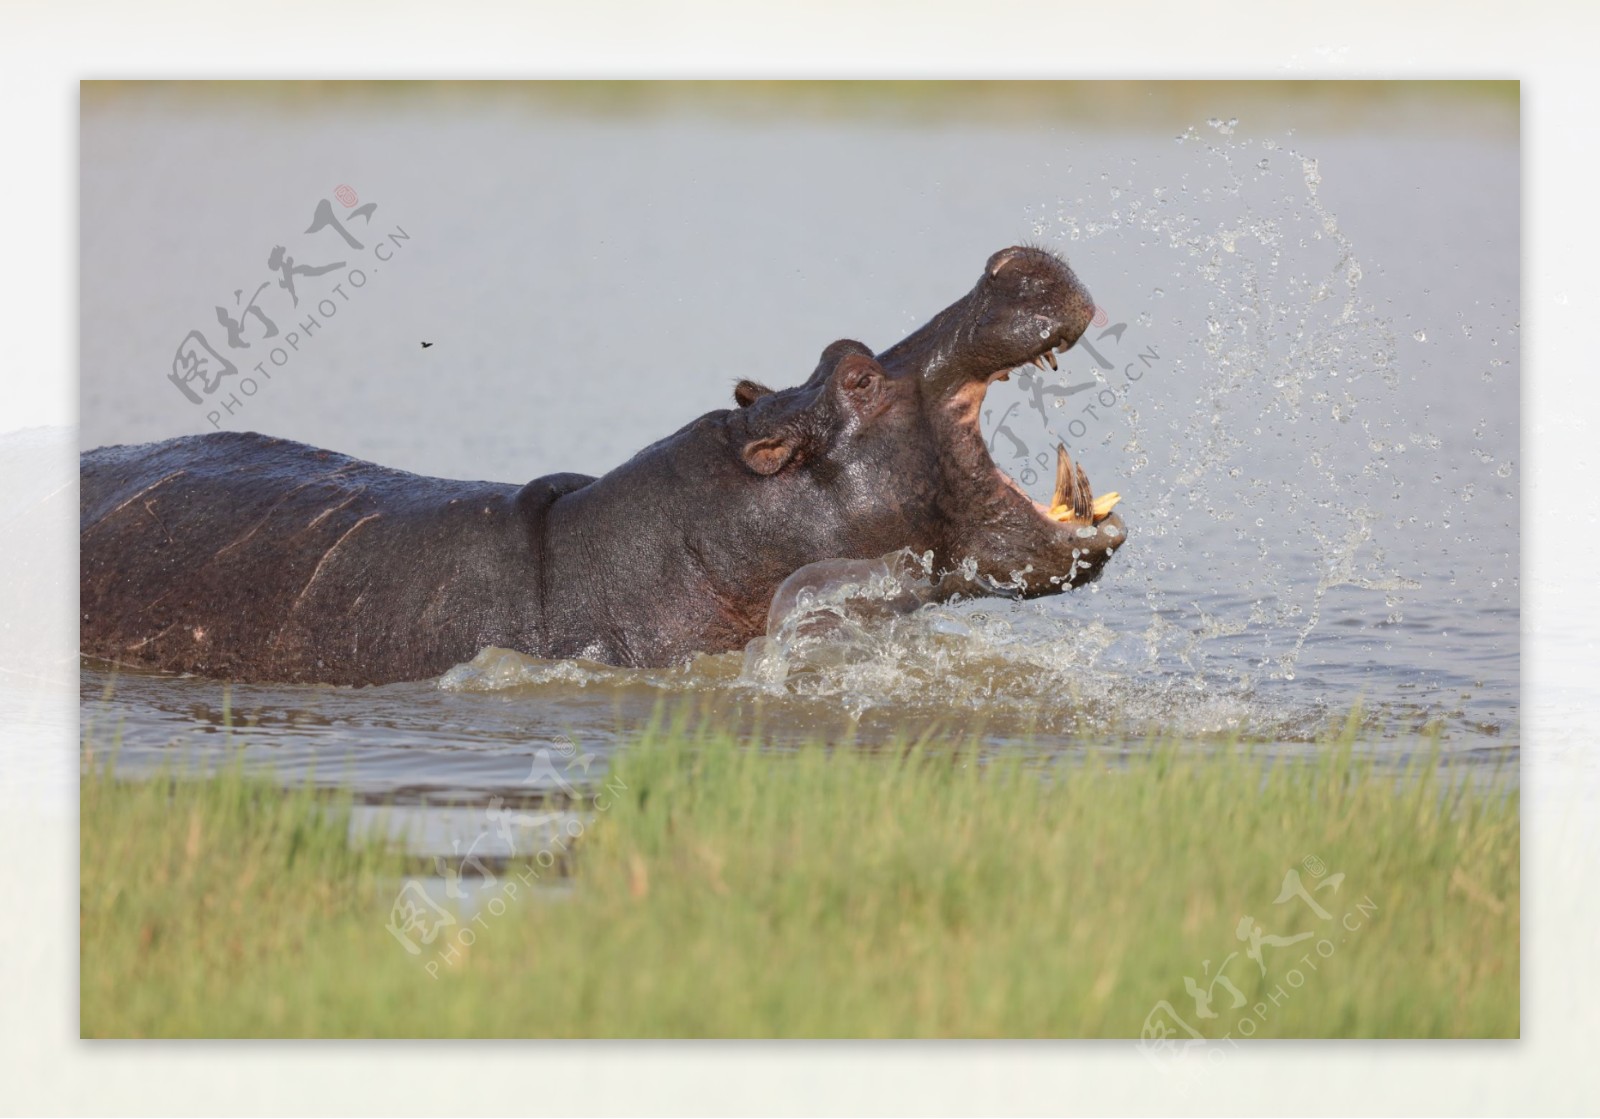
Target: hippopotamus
(250, 558)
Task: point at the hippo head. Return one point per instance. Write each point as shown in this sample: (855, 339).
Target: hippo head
(878, 453)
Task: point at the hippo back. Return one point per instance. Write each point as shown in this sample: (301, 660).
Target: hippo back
(252, 558)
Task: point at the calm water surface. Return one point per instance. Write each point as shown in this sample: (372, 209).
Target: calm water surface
(1305, 387)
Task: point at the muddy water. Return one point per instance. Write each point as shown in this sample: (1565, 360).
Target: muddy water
(1304, 385)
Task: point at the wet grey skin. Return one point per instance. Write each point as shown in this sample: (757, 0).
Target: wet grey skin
(244, 557)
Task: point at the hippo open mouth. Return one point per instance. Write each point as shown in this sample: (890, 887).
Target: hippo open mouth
(1072, 502)
(1027, 307)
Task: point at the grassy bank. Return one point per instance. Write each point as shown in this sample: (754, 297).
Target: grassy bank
(721, 892)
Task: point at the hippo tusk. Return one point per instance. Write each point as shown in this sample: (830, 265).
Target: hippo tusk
(1073, 499)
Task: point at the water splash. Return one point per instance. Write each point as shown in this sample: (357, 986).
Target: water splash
(1270, 454)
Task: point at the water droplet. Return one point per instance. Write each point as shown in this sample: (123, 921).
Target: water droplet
(1421, 336)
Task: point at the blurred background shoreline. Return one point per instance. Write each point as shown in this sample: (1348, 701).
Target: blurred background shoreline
(1479, 107)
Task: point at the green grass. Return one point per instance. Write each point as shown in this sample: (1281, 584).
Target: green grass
(722, 891)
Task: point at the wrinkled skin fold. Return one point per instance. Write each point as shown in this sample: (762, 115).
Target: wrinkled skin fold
(250, 558)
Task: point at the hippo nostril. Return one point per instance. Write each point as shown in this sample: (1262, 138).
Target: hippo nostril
(1002, 258)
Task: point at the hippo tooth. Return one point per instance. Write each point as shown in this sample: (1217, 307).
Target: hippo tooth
(1062, 503)
(1050, 356)
(1039, 361)
(1104, 505)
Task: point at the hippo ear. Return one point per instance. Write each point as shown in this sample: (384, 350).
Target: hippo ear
(746, 393)
(771, 453)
